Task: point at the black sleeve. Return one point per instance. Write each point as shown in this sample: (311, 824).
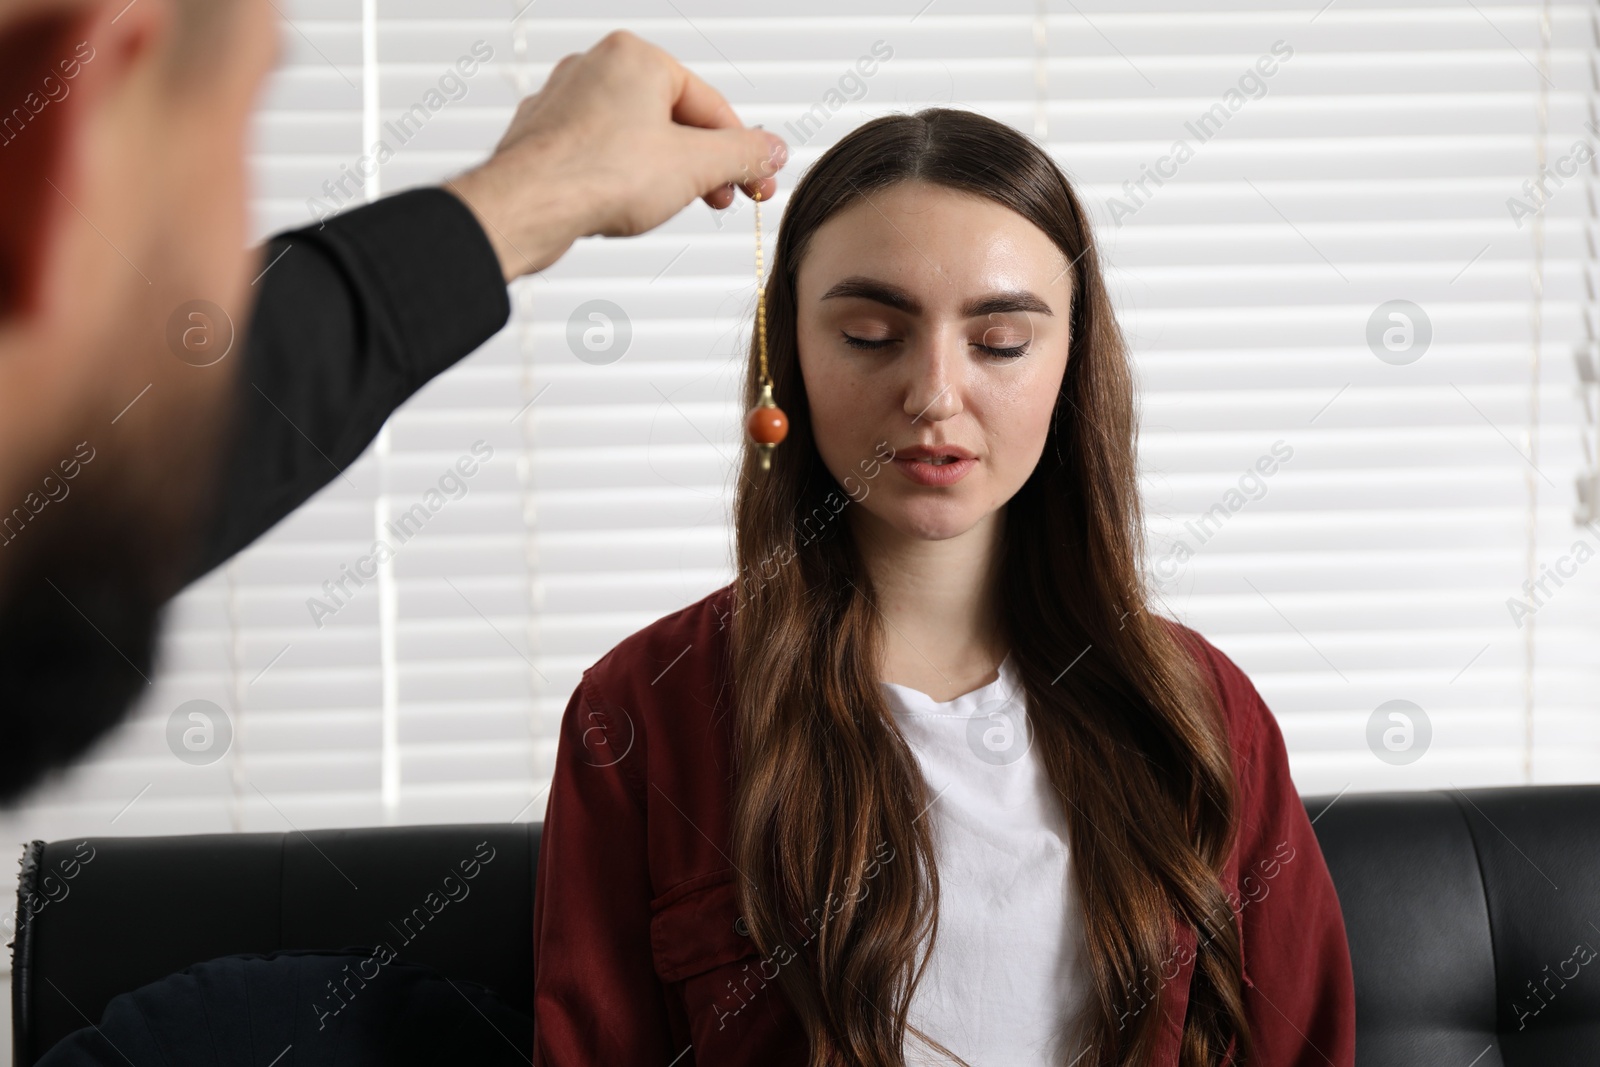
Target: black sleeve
(352, 317)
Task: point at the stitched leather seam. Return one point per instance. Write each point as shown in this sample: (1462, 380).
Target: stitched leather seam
(1488, 911)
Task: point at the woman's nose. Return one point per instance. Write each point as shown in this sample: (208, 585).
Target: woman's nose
(933, 393)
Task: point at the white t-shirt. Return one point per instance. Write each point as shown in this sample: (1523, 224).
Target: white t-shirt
(1008, 969)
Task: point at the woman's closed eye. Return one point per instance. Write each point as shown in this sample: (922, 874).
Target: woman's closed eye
(1002, 352)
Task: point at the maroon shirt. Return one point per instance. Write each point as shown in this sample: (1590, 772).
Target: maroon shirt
(638, 950)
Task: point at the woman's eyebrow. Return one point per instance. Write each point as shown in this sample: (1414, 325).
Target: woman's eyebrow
(893, 296)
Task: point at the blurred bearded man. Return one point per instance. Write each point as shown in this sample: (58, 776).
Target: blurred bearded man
(167, 395)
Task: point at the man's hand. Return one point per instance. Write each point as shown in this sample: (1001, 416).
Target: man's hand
(620, 138)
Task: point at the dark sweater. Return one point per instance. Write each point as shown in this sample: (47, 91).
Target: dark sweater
(351, 318)
(356, 316)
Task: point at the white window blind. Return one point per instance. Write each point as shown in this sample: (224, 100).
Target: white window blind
(1401, 501)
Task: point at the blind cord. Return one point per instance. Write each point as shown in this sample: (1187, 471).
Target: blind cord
(1541, 132)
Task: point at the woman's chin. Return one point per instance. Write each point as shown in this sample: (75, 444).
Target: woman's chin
(928, 520)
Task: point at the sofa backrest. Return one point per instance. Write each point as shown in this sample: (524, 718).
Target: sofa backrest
(106, 915)
(1473, 916)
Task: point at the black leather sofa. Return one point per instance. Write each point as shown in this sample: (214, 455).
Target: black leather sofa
(1473, 916)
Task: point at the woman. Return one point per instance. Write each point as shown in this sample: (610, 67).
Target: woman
(928, 782)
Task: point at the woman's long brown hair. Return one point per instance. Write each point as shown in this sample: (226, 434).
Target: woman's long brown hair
(839, 873)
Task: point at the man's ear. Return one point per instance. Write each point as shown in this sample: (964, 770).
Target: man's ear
(57, 63)
(32, 131)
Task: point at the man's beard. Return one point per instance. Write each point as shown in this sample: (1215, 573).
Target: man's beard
(77, 638)
(84, 583)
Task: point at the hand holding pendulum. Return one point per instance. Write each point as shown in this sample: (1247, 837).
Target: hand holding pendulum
(766, 423)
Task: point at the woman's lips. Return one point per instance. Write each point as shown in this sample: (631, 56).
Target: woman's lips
(934, 474)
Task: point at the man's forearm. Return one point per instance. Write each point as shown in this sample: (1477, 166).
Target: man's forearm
(526, 235)
(352, 318)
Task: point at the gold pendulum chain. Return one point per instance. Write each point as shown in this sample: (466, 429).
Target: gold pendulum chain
(766, 423)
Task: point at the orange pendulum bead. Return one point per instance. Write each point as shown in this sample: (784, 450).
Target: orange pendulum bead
(766, 423)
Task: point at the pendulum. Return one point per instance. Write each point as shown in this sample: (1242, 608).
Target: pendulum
(766, 423)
